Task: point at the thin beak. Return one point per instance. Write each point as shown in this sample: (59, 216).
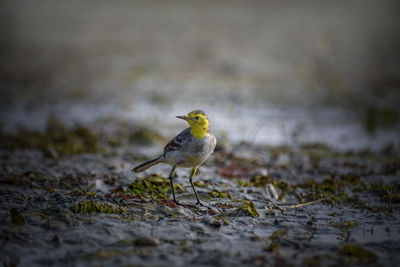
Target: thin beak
(182, 117)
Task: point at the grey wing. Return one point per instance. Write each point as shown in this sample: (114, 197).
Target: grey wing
(177, 142)
(214, 143)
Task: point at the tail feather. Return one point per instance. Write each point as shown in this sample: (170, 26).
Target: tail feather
(148, 164)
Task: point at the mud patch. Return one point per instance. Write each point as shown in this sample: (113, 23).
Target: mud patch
(312, 205)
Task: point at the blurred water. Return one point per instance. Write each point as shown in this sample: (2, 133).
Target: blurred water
(262, 70)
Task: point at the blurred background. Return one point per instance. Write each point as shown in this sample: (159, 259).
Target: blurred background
(266, 72)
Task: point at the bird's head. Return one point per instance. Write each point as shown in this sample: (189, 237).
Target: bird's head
(198, 122)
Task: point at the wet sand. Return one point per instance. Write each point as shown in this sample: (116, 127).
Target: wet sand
(265, 205)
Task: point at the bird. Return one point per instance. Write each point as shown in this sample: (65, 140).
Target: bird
(189, 149)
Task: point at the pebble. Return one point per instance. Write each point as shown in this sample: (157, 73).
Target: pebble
(260, 172)
(57, 240)
(146, 241)
(210, 221)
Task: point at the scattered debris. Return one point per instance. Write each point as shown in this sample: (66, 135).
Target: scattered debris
(247, 209)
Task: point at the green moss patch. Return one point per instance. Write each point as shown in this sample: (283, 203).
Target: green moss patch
(248, 209)
(358, 255)
(145, 136)
(262, 181)
(220, 194)
(56, 139)
(155, 186)
(92, 207)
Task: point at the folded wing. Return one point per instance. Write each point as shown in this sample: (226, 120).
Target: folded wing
(177, 142)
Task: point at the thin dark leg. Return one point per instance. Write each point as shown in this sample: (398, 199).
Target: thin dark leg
(192, 174)
(171, 175)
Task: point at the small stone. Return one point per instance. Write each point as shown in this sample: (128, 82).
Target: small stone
(146, 241)
(166, 210)
(57, 240)
(198, 228)
(210, 221)
(185, 212)
(260, 172)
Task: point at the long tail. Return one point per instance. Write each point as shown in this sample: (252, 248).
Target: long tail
(148, 164)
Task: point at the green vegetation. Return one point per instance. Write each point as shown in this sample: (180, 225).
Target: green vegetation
(144, 136)
(262, 181)
(56, 139)
(358, 255)
(220, 194)
(248, 209)
(388, 193)
(155, 186)
(92, 207)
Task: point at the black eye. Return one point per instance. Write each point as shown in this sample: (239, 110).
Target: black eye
(197, 117)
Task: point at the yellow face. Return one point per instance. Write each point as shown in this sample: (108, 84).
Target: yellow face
(198, 119)
(198, 122)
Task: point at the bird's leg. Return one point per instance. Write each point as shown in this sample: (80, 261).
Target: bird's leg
(192, 174)
(172, 175)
